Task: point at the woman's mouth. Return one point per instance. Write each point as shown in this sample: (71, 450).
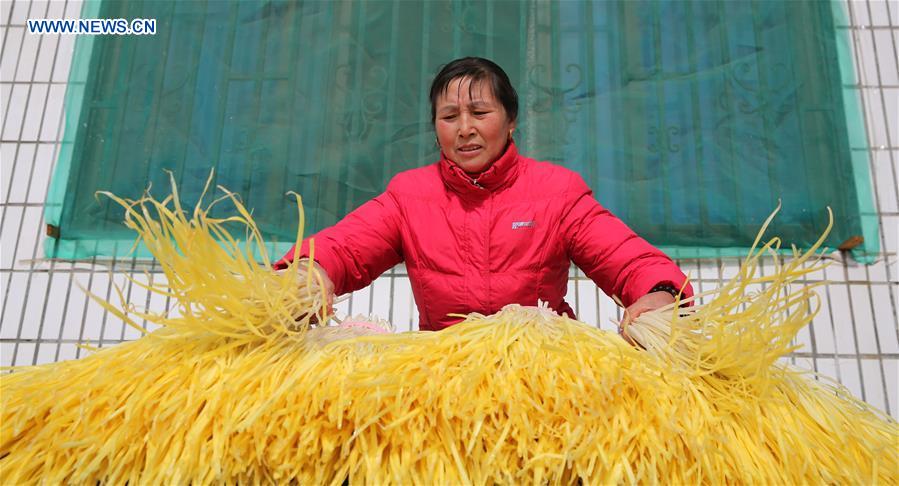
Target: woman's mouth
(469, 149)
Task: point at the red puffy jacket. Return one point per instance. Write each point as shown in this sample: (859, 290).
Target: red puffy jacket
(477, 245)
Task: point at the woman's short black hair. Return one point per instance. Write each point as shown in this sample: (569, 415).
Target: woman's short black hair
(477, 69)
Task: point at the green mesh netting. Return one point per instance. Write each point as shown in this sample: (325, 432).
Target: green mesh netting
(689, 119)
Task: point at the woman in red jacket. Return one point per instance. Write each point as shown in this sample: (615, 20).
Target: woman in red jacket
(486, 226)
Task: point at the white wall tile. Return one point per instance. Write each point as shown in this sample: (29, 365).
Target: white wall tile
(15, 112)
(12, 293)
(52, 129)
(402, 310)
(853, 270)
(585, 302)
(889, 71)
(863, 320)
(30, 237)
(886, 178)
(856, 12)
(8, 65)
(877, 11)
(885, 317)
(7, 155)
(22, 354)
(70, 301)
(34, 112)
(875, 373)
(891, 102)
(828, 369)
(46, 352)
(21, 11)
(27, 61)
(20, 173)
(67, 351)
(35, 289)
(381, 301)
(65, 49)
(6, 351)
(41, 173)
(12, 216)
(891, 368)
(60, 284)
(891, 236)
(5, 12)
(56, 9)
(73, 9)
(850, 376)
(5, 95)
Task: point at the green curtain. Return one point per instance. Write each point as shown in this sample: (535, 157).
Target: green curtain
(689, 119)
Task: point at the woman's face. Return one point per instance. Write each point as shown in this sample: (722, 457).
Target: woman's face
(472, 126)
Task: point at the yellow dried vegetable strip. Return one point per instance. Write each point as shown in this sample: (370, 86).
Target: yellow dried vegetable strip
(572, 373)
(234, 292)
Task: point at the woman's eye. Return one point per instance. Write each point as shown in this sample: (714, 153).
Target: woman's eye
(480, 113)
(449, 117)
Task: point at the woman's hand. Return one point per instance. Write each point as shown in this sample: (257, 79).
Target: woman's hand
(325, 280)
(648, 302)
(328, 286)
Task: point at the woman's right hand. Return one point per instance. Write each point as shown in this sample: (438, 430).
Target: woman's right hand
(321, 283)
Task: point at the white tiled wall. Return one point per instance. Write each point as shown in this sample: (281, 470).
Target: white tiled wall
(45, 311)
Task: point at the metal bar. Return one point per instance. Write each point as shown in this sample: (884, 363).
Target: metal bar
(833, 331)
(870, 86)
(14, 73)
(29, 142)
(886, 123)
(811, 330)
(800, 354)
(883, 103)
(861, 376)
(62, 318)
(883, 379)
(577, 294)
(867, 27)
(15, 351)
(87, 288)
(59, 125)
(150, 277)
(58, 341)
(140, 263)
(860, 74)
(36, 82)
(12, 174)
(109, 284)
(12, 6)
(392, 293)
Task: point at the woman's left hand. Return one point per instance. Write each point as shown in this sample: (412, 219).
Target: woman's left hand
(646, 303)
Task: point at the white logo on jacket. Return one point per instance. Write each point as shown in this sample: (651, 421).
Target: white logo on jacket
(523, 224)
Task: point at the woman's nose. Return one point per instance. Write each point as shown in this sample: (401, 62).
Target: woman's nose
(466, 126)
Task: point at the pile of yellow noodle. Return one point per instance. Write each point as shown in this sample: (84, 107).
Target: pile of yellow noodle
(235, 391)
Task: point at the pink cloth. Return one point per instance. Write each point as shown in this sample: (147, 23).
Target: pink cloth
(371, 326)
(477, 245)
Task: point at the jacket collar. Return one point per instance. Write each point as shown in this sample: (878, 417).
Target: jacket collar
(504, 170)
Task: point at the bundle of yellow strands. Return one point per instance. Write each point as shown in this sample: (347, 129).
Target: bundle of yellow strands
(242, 388)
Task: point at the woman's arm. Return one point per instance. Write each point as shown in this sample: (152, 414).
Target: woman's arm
(620, 262)
(357, 249)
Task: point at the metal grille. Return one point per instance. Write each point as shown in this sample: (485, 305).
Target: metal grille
(45, 312)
